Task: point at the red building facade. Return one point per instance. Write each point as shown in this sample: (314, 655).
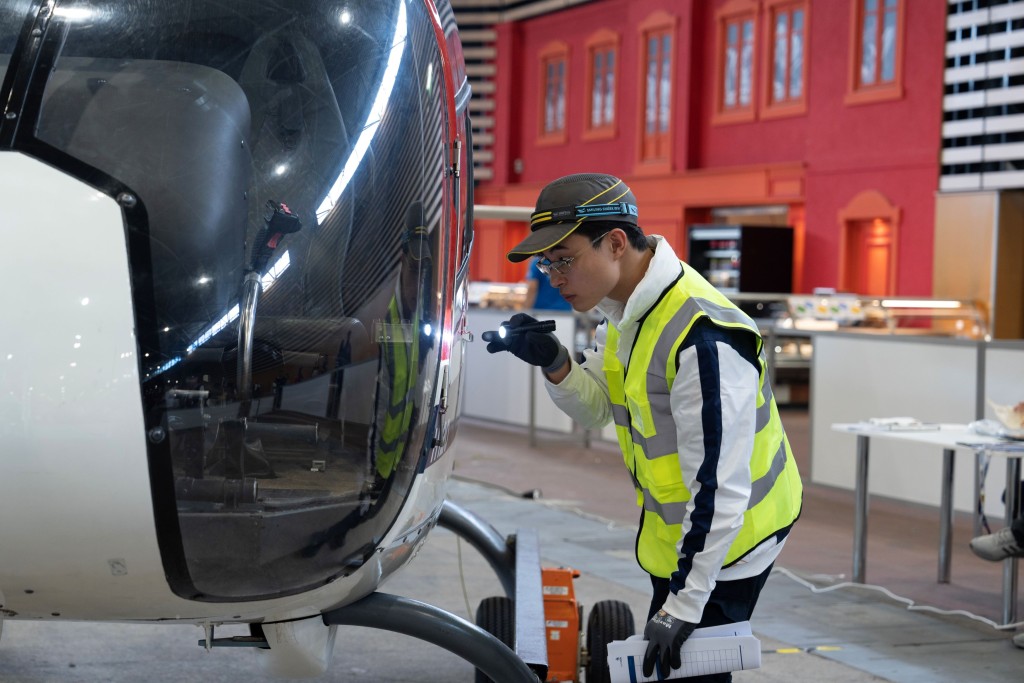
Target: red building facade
(825, 115)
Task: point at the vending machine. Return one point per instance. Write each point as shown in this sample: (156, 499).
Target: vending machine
(743, 258)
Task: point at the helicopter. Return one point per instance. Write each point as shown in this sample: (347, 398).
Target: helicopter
(231, 361)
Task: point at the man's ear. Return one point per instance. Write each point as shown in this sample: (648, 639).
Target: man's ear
(619, 241)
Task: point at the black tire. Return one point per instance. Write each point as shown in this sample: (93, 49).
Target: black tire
(497, 616)
(609, 620)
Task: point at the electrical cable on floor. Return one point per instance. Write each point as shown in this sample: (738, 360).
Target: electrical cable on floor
(462, 577)
(911, 605)
(537, 495)
(514, 494)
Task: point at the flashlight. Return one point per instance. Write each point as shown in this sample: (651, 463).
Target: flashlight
(540, 326)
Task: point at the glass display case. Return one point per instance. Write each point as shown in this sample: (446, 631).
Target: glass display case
(829, 310)
(788, 323)
(787, 348)
(825, 310)
(943, 317)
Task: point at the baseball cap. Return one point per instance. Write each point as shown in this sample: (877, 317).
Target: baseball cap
(564, 204)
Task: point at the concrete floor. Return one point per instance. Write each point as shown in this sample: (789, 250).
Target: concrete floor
(586, 519)
(873, 632)
(903, 538)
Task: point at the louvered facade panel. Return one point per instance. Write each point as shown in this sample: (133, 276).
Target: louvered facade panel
(983, 107)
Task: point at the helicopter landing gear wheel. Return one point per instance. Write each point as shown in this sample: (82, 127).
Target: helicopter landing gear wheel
(497, 616)
(609, 620)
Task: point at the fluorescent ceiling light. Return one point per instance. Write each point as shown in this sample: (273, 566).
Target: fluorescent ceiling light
(380, 103)
(920, 303)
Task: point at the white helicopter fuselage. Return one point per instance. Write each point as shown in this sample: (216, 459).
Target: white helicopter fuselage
(231, 346)
(78, 539)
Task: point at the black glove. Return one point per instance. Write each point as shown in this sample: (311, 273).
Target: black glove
(536, 348)
(665, 636)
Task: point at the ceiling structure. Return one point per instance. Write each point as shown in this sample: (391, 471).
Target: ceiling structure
(476, 20)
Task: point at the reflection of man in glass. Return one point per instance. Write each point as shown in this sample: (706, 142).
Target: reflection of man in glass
(402, 345)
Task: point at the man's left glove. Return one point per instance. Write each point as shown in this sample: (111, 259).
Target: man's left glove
(536, 348)
(665, 636)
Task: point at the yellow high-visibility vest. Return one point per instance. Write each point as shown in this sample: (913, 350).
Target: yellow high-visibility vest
(647, 435)
(400, 349)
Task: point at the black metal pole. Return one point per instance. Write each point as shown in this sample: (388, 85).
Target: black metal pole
(486, 539)
(434, 625)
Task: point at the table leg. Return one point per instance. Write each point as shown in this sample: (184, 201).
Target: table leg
(1010, 564)
(978, 480)
(860, 523)
(946, 514)
(531, 407)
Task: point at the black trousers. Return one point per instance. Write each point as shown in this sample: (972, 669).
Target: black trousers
(730, 602)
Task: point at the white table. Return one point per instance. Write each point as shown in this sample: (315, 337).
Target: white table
(950, 438)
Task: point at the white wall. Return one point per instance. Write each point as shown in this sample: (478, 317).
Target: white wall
(497, 385)
(855, 377)
(1004, 383)
(1004, 374)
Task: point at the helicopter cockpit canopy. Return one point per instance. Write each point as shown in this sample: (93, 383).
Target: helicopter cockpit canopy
(280, 167)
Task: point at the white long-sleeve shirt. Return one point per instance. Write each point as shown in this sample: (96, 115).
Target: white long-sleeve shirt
(714, 395)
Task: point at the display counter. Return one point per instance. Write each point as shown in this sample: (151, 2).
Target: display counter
(789, 324)
(849, 372)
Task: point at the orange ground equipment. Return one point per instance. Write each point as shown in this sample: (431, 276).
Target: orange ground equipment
(558, 650)
(563, 618)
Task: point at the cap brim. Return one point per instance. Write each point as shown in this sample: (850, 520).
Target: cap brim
(541, 240)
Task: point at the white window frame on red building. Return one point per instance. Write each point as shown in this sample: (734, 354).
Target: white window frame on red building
(554, 94)
(602, 83)
(868, 25)
(783, 51)
(656, 79)
(737, 34)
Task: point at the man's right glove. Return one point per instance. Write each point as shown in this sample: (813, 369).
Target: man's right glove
(665, 636)
(536, 348)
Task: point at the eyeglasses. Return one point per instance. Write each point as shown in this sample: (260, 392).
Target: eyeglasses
(563, 265)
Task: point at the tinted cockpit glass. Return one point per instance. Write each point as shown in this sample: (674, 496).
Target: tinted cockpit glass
(280, 166)
(13, 14)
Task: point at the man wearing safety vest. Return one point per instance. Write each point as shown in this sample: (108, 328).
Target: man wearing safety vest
(681, 371)
(401, 347)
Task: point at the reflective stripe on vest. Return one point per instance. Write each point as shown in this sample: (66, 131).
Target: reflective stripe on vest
(674, 513)
(641, 408)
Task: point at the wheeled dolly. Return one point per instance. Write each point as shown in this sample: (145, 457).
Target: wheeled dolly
(539, 616)
(531, 634)
(570, 650)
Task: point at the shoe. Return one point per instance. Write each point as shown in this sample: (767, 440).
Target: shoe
(1018, 640)
(998, 546)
